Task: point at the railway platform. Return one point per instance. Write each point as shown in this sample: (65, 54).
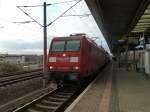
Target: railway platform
(114, 90)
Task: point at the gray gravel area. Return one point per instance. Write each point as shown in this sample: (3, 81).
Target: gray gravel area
(19, 89)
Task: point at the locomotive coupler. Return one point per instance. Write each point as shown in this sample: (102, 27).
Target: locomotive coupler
(60, 84)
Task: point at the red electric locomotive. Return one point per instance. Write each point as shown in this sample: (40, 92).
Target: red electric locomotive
(74, 57)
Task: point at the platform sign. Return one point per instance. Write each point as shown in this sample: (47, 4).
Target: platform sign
(147, 62)
(148, 47)
(115, 42)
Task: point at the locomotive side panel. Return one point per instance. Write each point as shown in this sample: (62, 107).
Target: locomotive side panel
(92, 58)
(85, 58)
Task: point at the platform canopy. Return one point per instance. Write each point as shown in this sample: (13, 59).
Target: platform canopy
(120, 18)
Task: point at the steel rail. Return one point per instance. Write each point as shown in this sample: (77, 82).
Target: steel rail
(20, 77)
(53, 101)
(18, 73)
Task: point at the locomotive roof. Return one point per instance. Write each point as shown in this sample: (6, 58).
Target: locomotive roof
(68, 38)
(74, 37)
(77, 37)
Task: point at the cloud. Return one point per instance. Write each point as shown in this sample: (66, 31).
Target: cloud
(23, 45)
(25, 38)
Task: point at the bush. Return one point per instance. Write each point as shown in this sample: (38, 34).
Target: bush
(9, 68)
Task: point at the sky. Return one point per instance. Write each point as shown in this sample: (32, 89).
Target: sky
(16, 38)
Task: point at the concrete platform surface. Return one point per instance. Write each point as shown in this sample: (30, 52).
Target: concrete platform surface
(90, 101)
(132, 92)
(116, 91)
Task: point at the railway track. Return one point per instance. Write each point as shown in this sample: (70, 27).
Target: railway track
(18, 77)
(54, 101)
(19, 72)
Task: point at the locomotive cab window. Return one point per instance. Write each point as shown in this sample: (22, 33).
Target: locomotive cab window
(58, 46)
(73, 45)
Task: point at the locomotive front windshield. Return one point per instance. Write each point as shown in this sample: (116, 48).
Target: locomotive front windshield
(73, 45)
(68, 45)
(58, 46)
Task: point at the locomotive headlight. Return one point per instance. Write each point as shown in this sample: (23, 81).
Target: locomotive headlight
(52, 59)
(51, 67)
(76, 67)
(74, 59)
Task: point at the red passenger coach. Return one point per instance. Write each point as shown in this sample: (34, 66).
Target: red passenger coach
(74, 57)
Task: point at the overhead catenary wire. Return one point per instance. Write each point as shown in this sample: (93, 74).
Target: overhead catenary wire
(19, 25)
(45, 25)
(29, 15)
(53, 20)
(80, 17)
(92, 30)
(23, 22)
(19, 7)
(64, 12)
(48, 4)
(90, 19)
(24, 28)
(83, 15)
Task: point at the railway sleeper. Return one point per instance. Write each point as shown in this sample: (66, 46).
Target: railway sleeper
(62, 93)
(47, 107)
(52, 102)
(57, 99)
(61, 96)
(32, 110)
(38, 109)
